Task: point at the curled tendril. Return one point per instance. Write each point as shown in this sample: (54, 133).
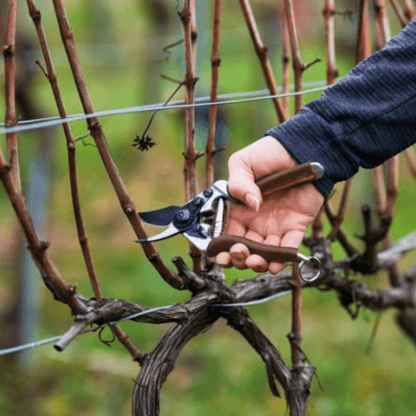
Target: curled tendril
(104, 341)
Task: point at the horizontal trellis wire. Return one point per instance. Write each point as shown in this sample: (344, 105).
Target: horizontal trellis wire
(28, 125)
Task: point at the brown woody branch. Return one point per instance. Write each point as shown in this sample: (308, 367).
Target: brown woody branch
(96, 132)
(298, 66)
(380, 186)
(51, 76)
(295, 336)
(392, 174)
(392, 189)
(157, 365)
(363, 50)
(298, 407)
(9, 54)
(411, 160)
(215, 64)
(261, 51)
(363, 47)
(61, 290)
(194, 31)
(285, 65)
(296, 382)
(391, 167)
(207, 305)
(382, 24)
(109, 310)
(190, 80)
(367, 262)
(82, 237)
(400, 13)
(331, 70)
(409, 10)
(201, 315)
(191, 187)
(337, 220)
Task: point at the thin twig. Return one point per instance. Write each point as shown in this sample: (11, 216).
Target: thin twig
(409, 10)
(171, 79)
(337, 221)
(125, 341)
(215, 64)
(156, 111)
(9, 54)
(189, 81)
(331, 70)
(363, 47)
(261, 51)
(295, 336)
(318, 224)
(51, 77)
(411, 160)
(379, 185)
(95, 128)
(399, 12)
(194, 32)
(285, 64)
(391, 167)
(382, 25)
(298, 66)
(392, 175)
(331, 75)
(190, 156)
(341, 236)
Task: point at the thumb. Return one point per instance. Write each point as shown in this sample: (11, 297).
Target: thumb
(241, 184)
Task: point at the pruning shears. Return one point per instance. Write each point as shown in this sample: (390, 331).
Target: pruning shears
(201, 219)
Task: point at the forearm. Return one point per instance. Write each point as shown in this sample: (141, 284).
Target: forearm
(364, 119)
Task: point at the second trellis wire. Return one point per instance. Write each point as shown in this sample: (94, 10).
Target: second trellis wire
(36, 344)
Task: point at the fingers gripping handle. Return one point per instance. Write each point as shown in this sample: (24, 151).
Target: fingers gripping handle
(298, 175)
(310, 267)
(268, 252)
(308, 172)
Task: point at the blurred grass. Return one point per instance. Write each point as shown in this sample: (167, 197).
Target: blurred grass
(91, 379)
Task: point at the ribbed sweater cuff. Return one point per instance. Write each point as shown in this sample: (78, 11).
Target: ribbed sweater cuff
(307, 137)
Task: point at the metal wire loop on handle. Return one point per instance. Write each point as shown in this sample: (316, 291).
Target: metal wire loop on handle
(309, 268)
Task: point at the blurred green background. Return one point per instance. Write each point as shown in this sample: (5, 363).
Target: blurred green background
(121, 49)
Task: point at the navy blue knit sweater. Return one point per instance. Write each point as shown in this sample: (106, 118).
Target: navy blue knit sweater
(363, 120)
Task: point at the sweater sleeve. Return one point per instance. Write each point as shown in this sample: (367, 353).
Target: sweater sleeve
(363, 120)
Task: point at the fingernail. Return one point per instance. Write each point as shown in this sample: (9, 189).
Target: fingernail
(252, 202)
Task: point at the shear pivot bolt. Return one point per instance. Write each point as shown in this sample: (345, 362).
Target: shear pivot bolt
(183, 215)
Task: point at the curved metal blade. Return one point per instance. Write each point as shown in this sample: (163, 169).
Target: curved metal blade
(219, 219)
(162, 216)
(169, 232)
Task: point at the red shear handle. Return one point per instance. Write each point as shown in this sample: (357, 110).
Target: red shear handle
(269, 253)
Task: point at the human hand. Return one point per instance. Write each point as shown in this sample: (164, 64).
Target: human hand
(279, 219)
